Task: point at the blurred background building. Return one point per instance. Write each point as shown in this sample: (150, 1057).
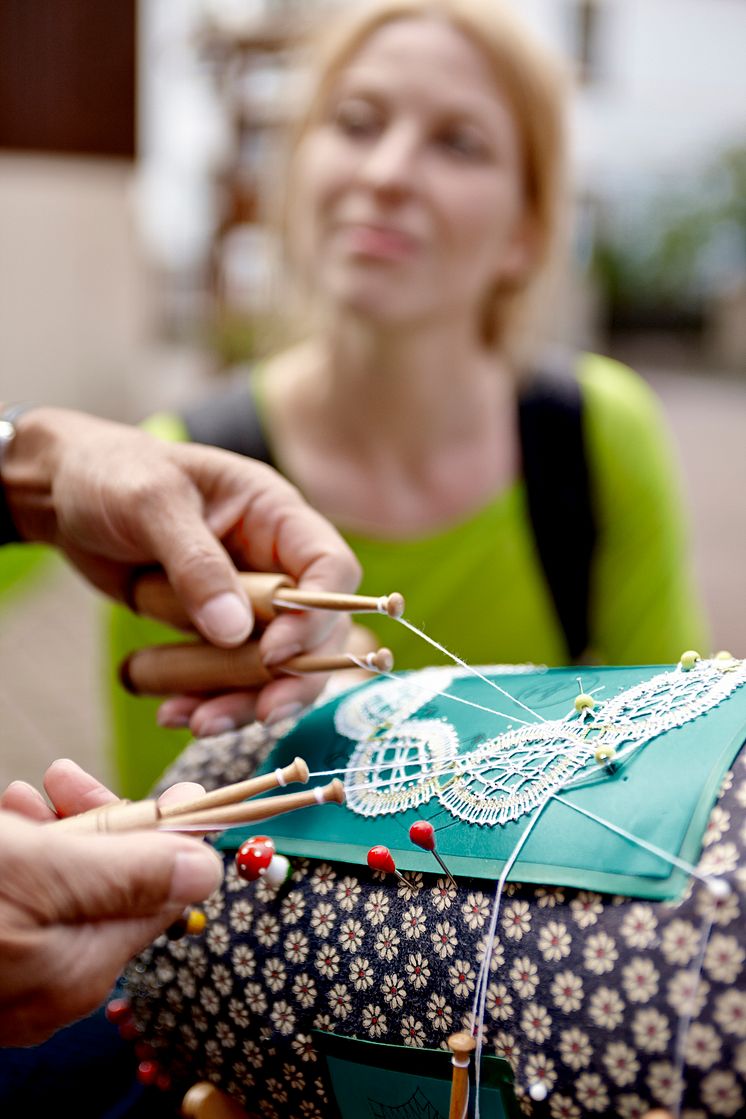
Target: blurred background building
(139, 144)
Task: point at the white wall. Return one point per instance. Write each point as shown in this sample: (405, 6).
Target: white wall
(674, 92)
(671, 89)
(73, 296)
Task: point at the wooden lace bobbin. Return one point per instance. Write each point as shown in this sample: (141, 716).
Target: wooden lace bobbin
(130, 816)
(296, 773)
(210, 819)
(198, 668)
(205, 1101)
(250, 812)
(269, 594)
(462, 1045)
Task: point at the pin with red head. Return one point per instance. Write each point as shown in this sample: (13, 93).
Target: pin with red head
(422, 833)
(379, 858)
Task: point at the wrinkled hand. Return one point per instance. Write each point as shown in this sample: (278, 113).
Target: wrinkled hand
(114, 498)
(74, 909)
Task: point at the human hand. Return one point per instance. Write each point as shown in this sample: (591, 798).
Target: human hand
(113, 498)
(75, 908)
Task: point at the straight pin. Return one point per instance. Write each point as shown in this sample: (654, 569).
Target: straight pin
(380, 858)
(422, 833)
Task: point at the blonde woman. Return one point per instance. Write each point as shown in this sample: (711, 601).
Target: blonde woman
(526, 514)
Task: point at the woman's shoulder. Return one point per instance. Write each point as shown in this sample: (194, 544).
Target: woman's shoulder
(623, 418)
(610, 386)
(632, 457)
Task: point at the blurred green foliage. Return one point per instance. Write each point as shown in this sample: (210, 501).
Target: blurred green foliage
(680, 249)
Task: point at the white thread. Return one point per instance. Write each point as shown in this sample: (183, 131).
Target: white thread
(318, 794)
(480, 993)
(674, 860)
(502, 779)
(687, 1015)
(382, 606)
(280, 778)
(468, 702)
(472, 671)
(356, 769)
(462, 1062)
(282, 603)
(365, 663)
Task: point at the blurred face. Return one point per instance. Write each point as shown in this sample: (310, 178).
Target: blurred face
(410, 200)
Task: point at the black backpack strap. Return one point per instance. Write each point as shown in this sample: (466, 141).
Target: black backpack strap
(230, 420)
(555, 469)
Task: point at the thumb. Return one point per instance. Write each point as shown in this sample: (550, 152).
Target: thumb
(76, 908)
(104, 878)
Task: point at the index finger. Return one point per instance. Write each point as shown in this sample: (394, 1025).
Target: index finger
(73, 790)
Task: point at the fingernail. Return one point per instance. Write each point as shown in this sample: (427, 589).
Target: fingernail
(172, 722)
(288, 711)
(221, 724)
(280, 654)
(195, 876)
(225, 618)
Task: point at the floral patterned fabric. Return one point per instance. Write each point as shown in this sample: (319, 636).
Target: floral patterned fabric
(589, 995)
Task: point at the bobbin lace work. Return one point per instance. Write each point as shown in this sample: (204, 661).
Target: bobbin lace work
(412, 760)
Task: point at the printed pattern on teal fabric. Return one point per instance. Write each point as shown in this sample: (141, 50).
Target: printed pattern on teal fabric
(588, 993)
(443, 745)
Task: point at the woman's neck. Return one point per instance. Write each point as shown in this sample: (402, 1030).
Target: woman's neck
(412, 390)
(395, 434)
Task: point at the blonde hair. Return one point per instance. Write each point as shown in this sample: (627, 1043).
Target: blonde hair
(533, 82)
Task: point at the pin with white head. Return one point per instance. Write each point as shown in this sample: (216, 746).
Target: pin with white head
(538, 1091)
(604, 755)
(719, 888)
(278, 871)
(584, 701)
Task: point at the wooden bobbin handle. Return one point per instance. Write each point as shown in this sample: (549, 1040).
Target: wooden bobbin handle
(205, 1101)
(121, 815)
(462, 1045)
(193, 668)
(153, 595)
(199, 668)
(263, 809)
